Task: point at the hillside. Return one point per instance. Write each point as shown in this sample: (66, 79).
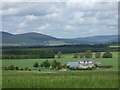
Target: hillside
(100, 39)
(25, 39)
(33, 38)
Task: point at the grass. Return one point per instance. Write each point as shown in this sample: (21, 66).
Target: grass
(99, 78)
(68, 79)
(67, 58)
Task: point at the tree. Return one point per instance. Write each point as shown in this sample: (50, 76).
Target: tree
(46, 63)
(88, 54)
(26, 68)
(55, 64)
(36, 65)
(17, 68)
(97, 55)
(81, 55)
(60, 54)
(11, 67)
(41, 65)
(107, 55)
(75, 55)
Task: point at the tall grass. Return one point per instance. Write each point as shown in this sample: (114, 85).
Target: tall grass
(81, 80)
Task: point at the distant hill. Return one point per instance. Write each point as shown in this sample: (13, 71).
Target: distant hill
(33, 38)
(100, 39)
(26, 38)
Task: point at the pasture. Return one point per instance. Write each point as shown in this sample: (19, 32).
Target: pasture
(22, 63)
(99, 78)
(60, 79)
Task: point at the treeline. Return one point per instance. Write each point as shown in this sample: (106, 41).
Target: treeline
(27, 53)
(69, 48)
(46, 46)
(89, 54)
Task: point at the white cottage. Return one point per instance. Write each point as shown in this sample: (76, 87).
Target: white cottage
(83, 63)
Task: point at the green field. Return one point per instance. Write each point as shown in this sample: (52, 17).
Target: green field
(60, 79)
(99, 78)
(67, 58)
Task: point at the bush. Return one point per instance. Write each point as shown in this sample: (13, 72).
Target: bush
(5, 68)
(36, 65)
(97, 55)
(11, 67)
(106, 66)
(26, 68)
(59, 54)
(21, 69)
(75, 55)
(16, 68)
(45, 64)
(80, 68)
(107, 55)
(55, 64)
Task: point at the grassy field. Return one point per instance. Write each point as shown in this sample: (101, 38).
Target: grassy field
(99, 78)
(57, 79)
(67, 58)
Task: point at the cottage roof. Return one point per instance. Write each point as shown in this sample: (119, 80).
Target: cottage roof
(73, 64)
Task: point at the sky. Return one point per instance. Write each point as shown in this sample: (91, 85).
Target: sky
(60, 19)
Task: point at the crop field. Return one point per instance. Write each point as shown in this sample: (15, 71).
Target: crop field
(115, 46)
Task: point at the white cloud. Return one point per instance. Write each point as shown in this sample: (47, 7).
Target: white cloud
(43, 27)
(86, 6)
(73, 19)
(53, 15)
(10, 11)
(22, 25)
(69, 27)
(31, 17)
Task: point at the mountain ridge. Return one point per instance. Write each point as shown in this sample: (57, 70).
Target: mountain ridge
(38, 38)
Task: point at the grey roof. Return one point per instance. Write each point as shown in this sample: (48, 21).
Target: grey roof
(73, 64)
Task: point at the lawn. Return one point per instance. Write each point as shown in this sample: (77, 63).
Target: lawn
(67, 58)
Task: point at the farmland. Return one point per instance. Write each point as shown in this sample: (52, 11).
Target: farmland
(57, 79)
(99, 78)
(67, 58)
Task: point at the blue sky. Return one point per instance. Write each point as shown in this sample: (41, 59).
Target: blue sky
(61, 19)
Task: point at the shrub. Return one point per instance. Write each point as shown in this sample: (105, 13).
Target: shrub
(11, 67)
(107, 55)
(81, 55)
(97, 55)
(21, 69)
(26, 68)
(106, 66)
(16, 68)
(46, 63)
(36, 65)
(59, 54)
(75, 55)
(55, 64)
(5, 68)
